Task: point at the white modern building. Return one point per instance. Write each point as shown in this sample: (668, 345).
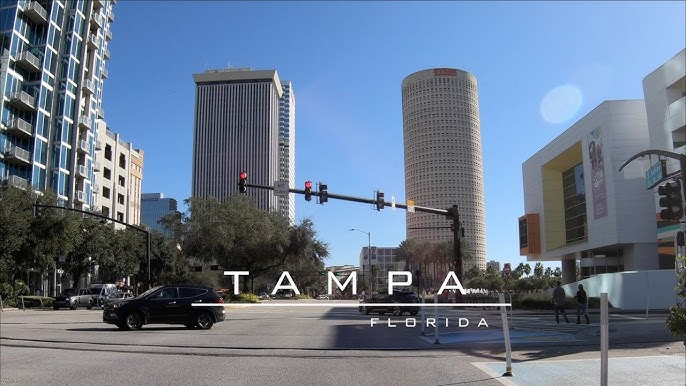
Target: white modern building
(379, 262)
(443, 157)
(244, 121)
(664, 91)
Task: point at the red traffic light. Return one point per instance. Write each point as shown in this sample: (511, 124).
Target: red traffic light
(243, 175)
(308, 184)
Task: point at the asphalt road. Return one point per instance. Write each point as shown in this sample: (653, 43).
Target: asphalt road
(320, 346)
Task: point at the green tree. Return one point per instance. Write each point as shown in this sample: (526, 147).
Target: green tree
(538, 270)
(16, 213)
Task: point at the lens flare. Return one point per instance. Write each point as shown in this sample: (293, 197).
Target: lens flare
(561, 103)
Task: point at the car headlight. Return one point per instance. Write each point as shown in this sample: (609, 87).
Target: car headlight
(116, 305)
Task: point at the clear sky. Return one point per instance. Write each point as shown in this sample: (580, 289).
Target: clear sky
(540, 67)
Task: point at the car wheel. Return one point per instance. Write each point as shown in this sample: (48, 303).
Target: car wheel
(397, 311)
(73, 306)
(89, 306)
(204, 321)
(55, 308)
(134, 321)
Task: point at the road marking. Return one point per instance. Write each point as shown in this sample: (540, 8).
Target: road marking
(348, 305)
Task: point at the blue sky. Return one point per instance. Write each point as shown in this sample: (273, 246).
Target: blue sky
(540, 67)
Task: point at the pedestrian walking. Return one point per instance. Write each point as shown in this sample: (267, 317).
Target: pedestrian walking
(581, 300)
(559, 298)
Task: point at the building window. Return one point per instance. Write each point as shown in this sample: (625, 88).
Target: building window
(122, 181)
(106, 193)
(574, 204)
(107, 173)
(120, 199)
(122, 161)
(108, 152)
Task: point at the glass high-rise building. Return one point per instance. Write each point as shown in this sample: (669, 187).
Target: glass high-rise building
(52, 74)
(244, 121)
(154, 207)
(443, 158)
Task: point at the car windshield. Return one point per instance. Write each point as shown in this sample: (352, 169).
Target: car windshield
(68, 292)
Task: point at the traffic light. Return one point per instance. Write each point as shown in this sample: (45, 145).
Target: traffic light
(379, 200)
(323, 194)
(308, 190)
(670, 200)
(242, 179)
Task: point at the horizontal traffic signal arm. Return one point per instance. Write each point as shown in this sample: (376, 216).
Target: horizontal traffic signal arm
(359, 199)
(94, 214)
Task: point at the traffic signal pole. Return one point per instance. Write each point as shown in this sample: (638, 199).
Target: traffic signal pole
(450, 214)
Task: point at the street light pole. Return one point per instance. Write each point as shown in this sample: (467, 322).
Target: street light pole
(369, 255)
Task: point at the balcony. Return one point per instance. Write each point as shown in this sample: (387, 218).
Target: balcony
(85, 122)
(19, 126)
(96, 20)
(80, 196)
(23, 100)
(16, 181)
(105, 53)
(101, 113)
(88, 87)
(82, 171)
(108, 35)
(93, 41)
(97, 166)
(83, 146)
(97, 4)
(104, 73)
(17, 155)
(676, 118)
(110, 16)
(98, 145)
(96, 188)
(28, 61)
(34, 11)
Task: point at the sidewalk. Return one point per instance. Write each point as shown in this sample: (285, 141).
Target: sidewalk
(664, 370)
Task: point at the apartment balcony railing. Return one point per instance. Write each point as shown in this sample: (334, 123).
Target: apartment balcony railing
(104, 73)
(96, 188)
(676, 118)
(97, 166)
(17, 155)
(110, 16)
(83, 146)
(97, 4)
(101, 113)
(96, 20)
(108, 35)
(88, 86)
(106, 53)
(93, 41)
(82, 171)
(98, 145)
(20, 127)
(80, 196)
(23, 100)
(28, 61)
(16, 181)
(85, 122)
(34, 11)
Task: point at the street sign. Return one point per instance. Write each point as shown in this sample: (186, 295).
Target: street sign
(410, 206)
(656, 174)
(280, 188)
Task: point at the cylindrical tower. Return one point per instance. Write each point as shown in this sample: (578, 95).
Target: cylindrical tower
(443, 160)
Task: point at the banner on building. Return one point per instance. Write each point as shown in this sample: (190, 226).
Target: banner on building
(595, 154)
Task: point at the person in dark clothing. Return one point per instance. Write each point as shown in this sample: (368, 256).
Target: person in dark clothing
(581, 300)
(559, 298)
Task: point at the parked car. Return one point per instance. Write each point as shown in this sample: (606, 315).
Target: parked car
(101, 291)
(265, 296)
(169, 304)
(402, 297)
(323, 297)
(114, 297)
(73, 298)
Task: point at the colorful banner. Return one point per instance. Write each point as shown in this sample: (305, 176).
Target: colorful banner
(595, 154)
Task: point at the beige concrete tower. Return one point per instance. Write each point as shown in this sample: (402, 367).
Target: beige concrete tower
(443, 160)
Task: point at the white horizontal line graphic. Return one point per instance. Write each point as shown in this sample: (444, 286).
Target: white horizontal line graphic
(353, 305)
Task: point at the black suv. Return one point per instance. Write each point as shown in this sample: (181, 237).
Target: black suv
(389, 304)
(169, 304)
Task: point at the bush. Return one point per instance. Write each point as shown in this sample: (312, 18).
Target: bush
(676, 321)
(242, 298)
(302, 296)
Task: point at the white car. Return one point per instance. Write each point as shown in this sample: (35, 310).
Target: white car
(323, 297)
